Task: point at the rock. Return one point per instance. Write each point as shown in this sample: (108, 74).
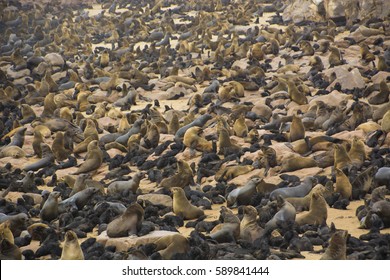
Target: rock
(157, 199)
(300, 10)
(124, 243)
(380, 76)
(54, 59)
(334, 8)
(347, 80)
(332, 99)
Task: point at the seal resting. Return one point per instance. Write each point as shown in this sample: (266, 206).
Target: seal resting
(128, 223)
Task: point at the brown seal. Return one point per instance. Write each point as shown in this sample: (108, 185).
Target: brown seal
(94, 159)
(337, 249)
(249, 229)
(182, 207)
(357, 153)
(318, 212)
(193, 140)
(6, 233)
(229, 230)
(226, 147)
(9, 251)
(297, 130)
(183, 177)
(12, 151)
(58, 147)
(47, 159)
(71, 249)
(343, 185)
(295, 95)
(169, 246)
(240, 128)
(130, 185)
(49, 210)
(293, 163)
(36, 144)
(79, 184)
(229, 172)
(128, 223)
(243, 195)
(286, 214)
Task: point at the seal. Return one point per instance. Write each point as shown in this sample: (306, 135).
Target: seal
(249, 229)
(193, 140)
(79, 184)
(286, 214)
(303, 203)
(337, 249)
(12, 151)
(229, 172)
(9, 251)
(182, 207)
(318, 212)
(47, 159)
(49, 210)
(6, 233)
(58, 147)
(239, 127)
(299, 191)
(201, 121)
(36, 144)
(297, 129)
(183, 177)
(229, 230)
(226, 147)
(128, 223)
(71, 249)
(293, 163)
(243, 195)
(77, 201)
(296, 95)
(357, 153)
(121, 186)
(94, 159)
(343, 186)
(169, 246)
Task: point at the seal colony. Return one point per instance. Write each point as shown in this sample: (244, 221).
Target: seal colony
(212, 130)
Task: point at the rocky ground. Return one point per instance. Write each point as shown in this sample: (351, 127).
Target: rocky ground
(222, 42)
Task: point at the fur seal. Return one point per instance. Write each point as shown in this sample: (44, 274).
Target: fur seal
(317, 214)
(183, 177)
(296, 95)
(303, 203)
(79, 184)
(229, 230)
(47, 159)
(9, 251)
(77, 201)
(343, 186)
(229, 172)
(239, 127)
(122, 186)
(193, 140)
(286, 214)
(201, 121)
(38, 139)
(12, 151)
(169, 246)
(182, 207)
(299, 191)
(341, 157)
(128, 223)
(293, 163)
(225, 145)
(297, 129)
(49, 210)
(71, 249)
(93, 160)
(337, 249)
(58, 147)
(249, 229)
(6, 233)
(243, 195)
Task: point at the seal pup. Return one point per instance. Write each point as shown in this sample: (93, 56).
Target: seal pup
(243, 195)
(249, 229)
(182, 207)
(71, 249)
(337, 249)
(49, 210)
(318, 212)
(94, 159)
(127, 224)
(122, 186)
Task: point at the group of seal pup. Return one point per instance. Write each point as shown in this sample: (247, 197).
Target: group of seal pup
(271, 136)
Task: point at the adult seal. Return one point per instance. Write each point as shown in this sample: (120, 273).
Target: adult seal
(243, 195)
(182, 207)
(127, 224)
(299, 191)
(71, 249)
